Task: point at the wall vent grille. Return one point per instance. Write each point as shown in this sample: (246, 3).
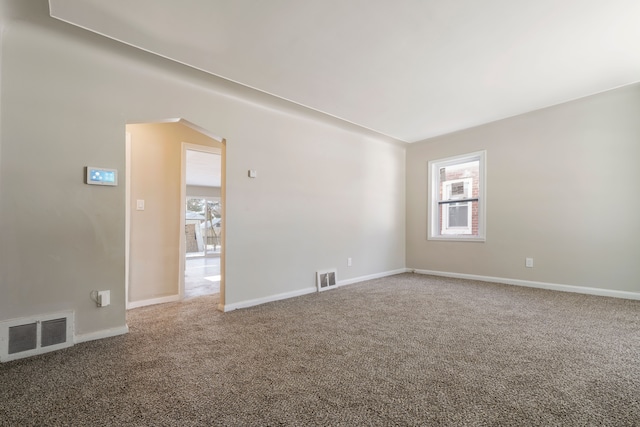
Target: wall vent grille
(29, 336)
(53, 332)
(327, 279)
(23, 338)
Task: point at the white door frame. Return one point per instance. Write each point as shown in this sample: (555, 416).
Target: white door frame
(127, 217)
(183, 197)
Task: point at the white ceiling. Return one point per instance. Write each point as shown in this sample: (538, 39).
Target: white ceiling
(409, 69)
(203, 169)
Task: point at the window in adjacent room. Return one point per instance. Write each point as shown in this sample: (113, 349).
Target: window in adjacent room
(457, 198)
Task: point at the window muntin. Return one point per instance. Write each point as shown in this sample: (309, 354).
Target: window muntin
(456, 198)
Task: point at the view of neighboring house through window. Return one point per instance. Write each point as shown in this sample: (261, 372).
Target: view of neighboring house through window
(456, 198)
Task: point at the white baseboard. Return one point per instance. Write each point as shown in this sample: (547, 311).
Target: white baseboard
(532, 284)
(373, 276)
(105, 333)
(143, 303)
(252, 302)
(300, 292)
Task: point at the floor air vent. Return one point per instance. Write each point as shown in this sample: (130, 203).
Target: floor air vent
(35, 335)
(327, 280)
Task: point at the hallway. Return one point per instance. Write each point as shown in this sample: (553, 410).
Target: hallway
(201, 276)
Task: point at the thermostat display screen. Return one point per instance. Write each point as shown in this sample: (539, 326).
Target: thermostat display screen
(102, 176)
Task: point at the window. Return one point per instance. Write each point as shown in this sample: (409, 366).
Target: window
(457, 216)
(457, 198)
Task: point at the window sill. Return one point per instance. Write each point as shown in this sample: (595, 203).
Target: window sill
(457, 239)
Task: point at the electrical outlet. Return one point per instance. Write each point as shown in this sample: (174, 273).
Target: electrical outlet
(528, 262)
(349, 263)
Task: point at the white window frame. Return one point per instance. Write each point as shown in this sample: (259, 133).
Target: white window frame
(433, 232)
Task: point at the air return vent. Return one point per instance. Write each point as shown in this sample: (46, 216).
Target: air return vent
(327, 279)
(35, 335)
(53, 332)
(23, 338)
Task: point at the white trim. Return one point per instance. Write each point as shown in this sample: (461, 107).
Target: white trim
(373, 276)
(305, 291)
(539, 285)
(162, 300)
(257, 301)
(105, 333)
(127, 217)
(459, 238)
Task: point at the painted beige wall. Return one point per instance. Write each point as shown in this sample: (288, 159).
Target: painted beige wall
(156, 161)
(560, 188)
(326, 190)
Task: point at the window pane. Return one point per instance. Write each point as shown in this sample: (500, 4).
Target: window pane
(458, 215)
(459, 219)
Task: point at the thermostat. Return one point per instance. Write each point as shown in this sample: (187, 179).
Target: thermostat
(102, 176)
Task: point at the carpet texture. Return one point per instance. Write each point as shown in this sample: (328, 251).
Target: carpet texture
(405, 350)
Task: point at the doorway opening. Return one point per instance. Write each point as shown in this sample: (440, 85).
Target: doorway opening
(157, 191)
(203, 221)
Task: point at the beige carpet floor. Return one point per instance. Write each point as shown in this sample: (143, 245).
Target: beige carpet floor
(407, 350)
